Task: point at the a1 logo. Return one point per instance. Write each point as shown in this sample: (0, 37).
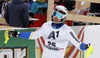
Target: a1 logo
(53, 35)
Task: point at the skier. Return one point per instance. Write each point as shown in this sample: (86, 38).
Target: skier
(56, 33)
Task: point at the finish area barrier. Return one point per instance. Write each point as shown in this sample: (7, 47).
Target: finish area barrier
(18, 47)
(27, 48)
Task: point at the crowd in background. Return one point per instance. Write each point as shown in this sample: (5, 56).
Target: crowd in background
(38, 9)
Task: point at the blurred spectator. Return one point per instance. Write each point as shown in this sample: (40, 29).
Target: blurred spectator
(46, 1)
(95, 8)
(1, 1)
(56, 2)
(59, 2)
(95, 11)
(69, 4)
(31, 15)
(29, 6)
(27, 2)
(4, 3)
(31, 2)
(16, 13)
(39, 7)
(2, 7)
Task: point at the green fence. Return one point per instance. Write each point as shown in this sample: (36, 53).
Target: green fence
(19, 43)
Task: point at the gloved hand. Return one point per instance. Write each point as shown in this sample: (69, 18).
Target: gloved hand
(89, 51)
(39, 9)
(13, 33)
(87, 45)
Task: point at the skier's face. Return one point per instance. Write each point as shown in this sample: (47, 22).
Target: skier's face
(55, 19)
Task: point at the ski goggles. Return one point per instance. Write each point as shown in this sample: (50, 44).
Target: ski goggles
(59, 15)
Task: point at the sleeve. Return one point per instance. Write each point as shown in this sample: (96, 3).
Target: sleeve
(46, 6)
(25, 35)
(25, 16)
(73, 39)
(39, 33)
(6, 14)
(32, 35)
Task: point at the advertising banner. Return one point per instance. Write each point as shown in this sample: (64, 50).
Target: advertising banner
(92, 36)
(23, 48)
(18, 47)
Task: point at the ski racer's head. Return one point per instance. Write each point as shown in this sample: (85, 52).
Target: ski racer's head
(59, 14)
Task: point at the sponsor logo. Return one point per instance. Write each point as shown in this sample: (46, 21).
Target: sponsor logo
(53, 48)
(16, 52)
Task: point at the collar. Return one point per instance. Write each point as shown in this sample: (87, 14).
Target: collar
(57, 25)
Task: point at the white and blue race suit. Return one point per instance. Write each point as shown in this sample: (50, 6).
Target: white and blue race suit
(56, 39)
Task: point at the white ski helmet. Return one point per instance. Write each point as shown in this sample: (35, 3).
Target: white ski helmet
(61, 12)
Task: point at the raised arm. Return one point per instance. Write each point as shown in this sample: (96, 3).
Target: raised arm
(26, 35)
(14, 33)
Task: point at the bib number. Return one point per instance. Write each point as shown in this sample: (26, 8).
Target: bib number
(52, 44)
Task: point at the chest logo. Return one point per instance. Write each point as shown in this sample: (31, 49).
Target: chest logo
(53, 35)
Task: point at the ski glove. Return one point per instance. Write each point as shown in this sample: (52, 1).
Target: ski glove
(14, 33)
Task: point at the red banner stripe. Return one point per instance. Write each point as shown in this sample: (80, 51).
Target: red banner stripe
(76, 53)
(70, 51)
(42, 40)
(73, 47)
(82, 37)
(78, 49)
(80, 33)
(40, 45)
(81, 41)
